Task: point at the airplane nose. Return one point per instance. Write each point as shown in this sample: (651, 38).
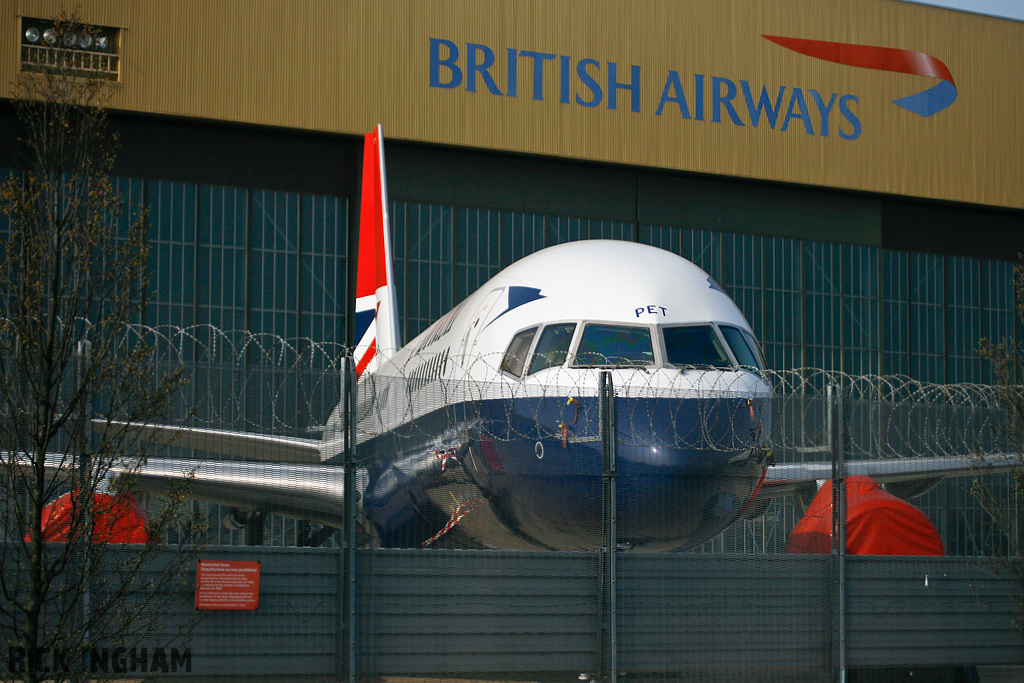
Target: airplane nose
(685, 467)
(687, 436)
(685, 508)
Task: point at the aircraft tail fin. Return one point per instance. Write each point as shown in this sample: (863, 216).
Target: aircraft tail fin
(377, 333)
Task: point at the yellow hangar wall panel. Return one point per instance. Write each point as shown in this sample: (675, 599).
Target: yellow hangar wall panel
(873, 95)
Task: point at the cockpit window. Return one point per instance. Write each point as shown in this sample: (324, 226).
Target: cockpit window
(515, 355)
(743, 346)
(615, 345)
(695, 345)
(552, 347)
(752, 343)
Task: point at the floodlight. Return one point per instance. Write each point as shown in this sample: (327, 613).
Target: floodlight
(42, 39)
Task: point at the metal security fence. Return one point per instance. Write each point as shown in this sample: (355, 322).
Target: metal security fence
(502, 530)
(500, 615)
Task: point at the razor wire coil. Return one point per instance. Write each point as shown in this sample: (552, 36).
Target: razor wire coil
(262, 382)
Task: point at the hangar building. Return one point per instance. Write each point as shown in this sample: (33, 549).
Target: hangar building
(848, 171)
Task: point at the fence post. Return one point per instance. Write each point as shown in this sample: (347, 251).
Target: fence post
(347, 606)
(836, 444)
(84, 473)
(608, 649)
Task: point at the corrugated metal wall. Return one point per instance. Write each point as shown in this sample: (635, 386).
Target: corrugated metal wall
(667, 84)
(477, 611)
(513, 614)
(725, 613)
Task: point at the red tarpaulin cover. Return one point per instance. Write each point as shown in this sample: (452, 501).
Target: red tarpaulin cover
(118, 519)
(877, 523)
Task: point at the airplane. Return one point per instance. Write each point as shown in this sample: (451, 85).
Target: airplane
(485, 430)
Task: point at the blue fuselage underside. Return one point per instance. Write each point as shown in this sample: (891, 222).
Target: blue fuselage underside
(533, 470)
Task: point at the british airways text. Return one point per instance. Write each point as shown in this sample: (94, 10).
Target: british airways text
(589, 82)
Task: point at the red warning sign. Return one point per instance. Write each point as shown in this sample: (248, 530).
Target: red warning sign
(227, 584)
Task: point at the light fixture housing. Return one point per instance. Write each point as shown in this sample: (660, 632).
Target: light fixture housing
(84, 49)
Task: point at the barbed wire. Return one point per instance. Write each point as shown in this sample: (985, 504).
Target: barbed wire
(249, 381)
(263, 382)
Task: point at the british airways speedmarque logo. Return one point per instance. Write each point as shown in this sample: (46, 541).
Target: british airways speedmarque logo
(688, 96)
(925, 103)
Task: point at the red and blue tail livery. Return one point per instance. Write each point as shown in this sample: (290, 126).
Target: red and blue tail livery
(376, 326)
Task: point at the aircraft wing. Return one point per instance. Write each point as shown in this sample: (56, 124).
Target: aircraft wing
(310, 492)
(277, 449)
(314, 493)
(788, 478)
(287, 477)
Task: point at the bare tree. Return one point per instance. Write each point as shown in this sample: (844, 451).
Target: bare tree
(1002, 497)
(72, 290)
